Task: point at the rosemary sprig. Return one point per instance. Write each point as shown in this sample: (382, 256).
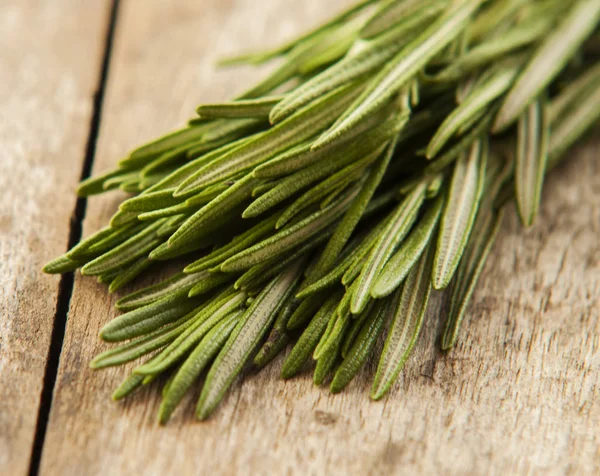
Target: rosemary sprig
(325, 214)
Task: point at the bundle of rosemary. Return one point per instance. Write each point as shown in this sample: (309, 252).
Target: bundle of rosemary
(323, 205)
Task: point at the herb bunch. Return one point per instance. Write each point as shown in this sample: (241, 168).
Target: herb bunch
(323, 205)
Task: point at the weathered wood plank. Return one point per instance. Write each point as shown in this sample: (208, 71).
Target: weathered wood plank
(50, 57)
(518, 394)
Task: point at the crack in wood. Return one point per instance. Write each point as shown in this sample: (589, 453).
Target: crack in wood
(66, 281)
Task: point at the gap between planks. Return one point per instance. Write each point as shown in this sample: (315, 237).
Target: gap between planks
(65, 290)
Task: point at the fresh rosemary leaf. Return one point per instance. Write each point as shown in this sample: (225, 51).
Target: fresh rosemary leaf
(183, 173)
(375, 134)
(465, 143)
(532, 155)
(150, 201)
(305, 311)
(212, 281)
(62, 264)
(143, 345)
(356, 65)
(278, 337)
(107, 278)
(191, 229)
(123, 254)
(400, 264)
(351, 218)
(122, 218)
(145, 319)
(131, 272)
(167, 160)
(170, 225)
(116, 182)
(80, 250)
(144, 154)
(174, 287)
(242, 108)
(293, 131)
(306, 344)
(569, 128)
(132, 186)
(408, 13)
(325, 366)
(409, 61)
(393, 234)
(476, 101)
(253, 325)
(204, 321)
(259, 274)
(549, 60)
(408, 308)
(301, 179)
(469, 272)
(332, 47)
(335, 336)
(258, 58)
(239, 243)
(361, 349)
(288, 238)
(233, 128)
(459, 212)
(576, 90)
(355, 266)
(168, 212)
(195, 363)
(494, 49)
(95, 185)
(130, 385)
(354, 329)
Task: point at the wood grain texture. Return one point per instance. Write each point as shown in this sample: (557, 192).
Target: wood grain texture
(519, 393)
(50, 57)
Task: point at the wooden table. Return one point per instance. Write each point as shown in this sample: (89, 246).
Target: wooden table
(82, 82)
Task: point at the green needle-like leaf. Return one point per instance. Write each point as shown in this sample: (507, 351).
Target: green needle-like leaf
(400, 264)
(293, 131)
(496, 48)
(144, 154)
(131, 272)
(305, 311)
(532, 155)
(301, 179)
(549, 60)
(193, 366)
(476, 101)
(459, 213)
(175, 286)
(471, 268)
(253, 325)
(408, 308)
(306, 344)
(287, 238)
(361, 349)
(143, 345)
(351, 218)
(204, 321)
(225, 202)
(397, 228)
(406, 64)
(407, 12)
(242, 108)
(136, 246)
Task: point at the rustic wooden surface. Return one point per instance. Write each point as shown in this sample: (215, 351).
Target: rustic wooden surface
(50, 56)
(518, 394)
